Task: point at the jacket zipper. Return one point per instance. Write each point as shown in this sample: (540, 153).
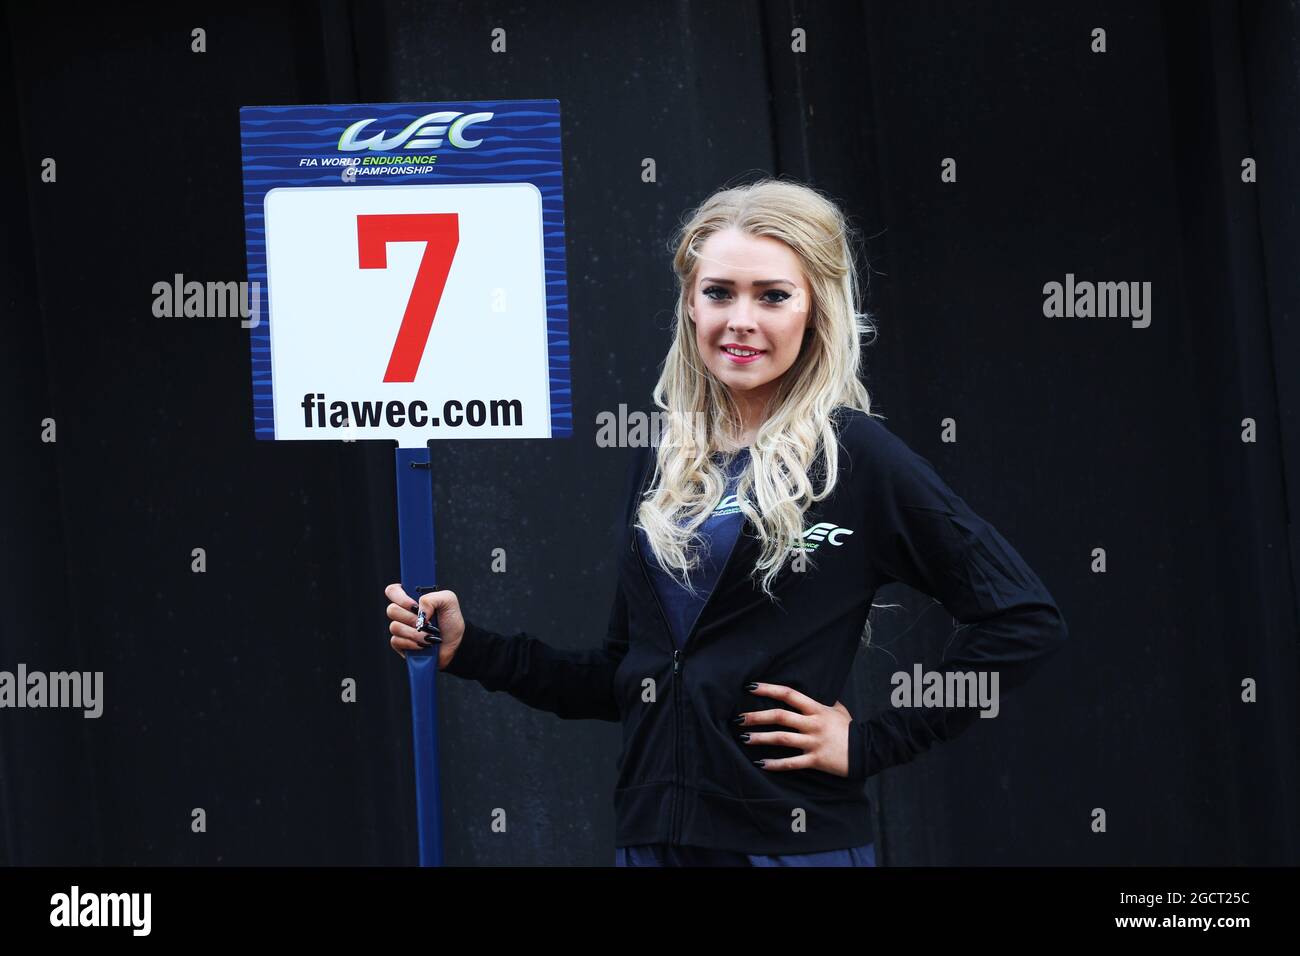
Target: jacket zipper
(678, 663)
(679, 656)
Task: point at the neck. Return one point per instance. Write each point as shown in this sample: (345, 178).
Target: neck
(753, 412)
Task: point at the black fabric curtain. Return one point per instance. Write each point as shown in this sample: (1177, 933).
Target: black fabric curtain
(222, 688)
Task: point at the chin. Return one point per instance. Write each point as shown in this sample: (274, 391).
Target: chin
(739, 383)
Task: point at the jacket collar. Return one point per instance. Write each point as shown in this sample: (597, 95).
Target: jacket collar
(736, 589)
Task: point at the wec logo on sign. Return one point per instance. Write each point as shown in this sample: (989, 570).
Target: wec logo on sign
(448, 123)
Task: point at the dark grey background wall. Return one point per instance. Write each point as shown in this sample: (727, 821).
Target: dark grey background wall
(222, 689)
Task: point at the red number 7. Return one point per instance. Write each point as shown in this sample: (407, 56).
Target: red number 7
(440, 232)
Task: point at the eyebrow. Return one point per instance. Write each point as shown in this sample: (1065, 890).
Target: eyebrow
(756, 281)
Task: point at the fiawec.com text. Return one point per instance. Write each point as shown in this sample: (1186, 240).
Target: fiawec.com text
(319, 413)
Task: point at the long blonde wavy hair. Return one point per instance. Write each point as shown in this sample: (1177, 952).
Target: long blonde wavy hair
(699, 414)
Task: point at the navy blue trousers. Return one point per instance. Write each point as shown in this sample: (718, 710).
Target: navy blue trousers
(662, 854)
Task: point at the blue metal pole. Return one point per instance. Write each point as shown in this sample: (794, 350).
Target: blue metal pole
(415, 534)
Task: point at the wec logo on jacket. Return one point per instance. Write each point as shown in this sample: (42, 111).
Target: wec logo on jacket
(729, 505)
(822, 531)
(812, 538)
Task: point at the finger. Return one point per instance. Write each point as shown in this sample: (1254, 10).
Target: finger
(438, 607)
(406, 643)
(801, 762)
(399, 597)
(789, 695)
(400, 613)
(778, 715)
(401, 646)
(435, 601)
(414, 639)
(780, 738)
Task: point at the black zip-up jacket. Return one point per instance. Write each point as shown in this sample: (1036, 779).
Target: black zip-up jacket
(684, 776)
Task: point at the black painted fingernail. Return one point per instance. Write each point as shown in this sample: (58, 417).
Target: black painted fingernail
(738, 719)
(744, 737)
(760, 763)
(415, 608)
(752, 685)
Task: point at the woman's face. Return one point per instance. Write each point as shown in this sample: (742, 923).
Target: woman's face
(748, 295)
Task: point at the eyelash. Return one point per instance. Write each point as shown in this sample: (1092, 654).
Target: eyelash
(784, 295)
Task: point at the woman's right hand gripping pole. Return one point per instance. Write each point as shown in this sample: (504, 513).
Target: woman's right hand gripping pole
(441, 609)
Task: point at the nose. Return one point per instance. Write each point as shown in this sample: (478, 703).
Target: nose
(740, 318)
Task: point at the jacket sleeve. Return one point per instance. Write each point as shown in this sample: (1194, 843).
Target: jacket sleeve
(572, 684)
(924, 535)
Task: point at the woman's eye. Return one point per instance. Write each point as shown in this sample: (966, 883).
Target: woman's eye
(782, 296)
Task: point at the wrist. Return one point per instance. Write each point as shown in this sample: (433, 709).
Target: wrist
(464, 652)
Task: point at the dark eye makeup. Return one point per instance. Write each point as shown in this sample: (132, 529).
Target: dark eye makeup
(718, 288)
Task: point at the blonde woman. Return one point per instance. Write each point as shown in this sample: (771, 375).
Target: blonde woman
(757, 534)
